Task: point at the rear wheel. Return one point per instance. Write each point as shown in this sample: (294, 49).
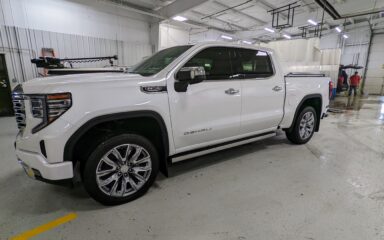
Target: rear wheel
(121, 169)
(304, 126)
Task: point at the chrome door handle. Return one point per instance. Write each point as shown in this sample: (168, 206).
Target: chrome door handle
(231, 91)
(3, 84)
(277, 88)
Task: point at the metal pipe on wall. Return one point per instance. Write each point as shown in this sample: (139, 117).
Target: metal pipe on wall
(366, 63)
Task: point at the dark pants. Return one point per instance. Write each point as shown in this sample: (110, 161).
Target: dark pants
(354, 88)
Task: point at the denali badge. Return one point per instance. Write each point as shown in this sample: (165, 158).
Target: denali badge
(197, 131)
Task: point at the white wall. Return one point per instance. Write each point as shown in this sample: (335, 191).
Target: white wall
(69, 17)
(330, 41)
(170, 35)
(375, 73)
(299, 55)
(305, 55)
(201, 35)
(73, 29)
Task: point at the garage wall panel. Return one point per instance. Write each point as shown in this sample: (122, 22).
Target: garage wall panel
(374, 83)
(299, 55)
(21, 45)
(74, 28)
(77, 17)
(170, 36)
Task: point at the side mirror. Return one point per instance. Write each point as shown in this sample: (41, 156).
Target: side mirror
(189, 75)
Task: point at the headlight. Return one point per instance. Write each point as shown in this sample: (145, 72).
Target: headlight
(49, 107)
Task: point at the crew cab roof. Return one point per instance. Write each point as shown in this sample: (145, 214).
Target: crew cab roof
(227, 44)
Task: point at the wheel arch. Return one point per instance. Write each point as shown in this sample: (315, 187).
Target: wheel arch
(74, 140)
(314, 100)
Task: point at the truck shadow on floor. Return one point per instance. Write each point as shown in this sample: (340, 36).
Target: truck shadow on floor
(226, 155)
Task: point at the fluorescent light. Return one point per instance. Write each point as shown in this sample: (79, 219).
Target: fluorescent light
(286, 36)
(269, 30)
(246, 42)
(179, 18)
(226, 37)
(338, 29)
(345, 36)
(312, 22)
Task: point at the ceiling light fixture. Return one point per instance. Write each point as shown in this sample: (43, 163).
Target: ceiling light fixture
(269, 30)
(226, 37)
(180, 18)
(246, 42)
(345, 36)
(338, 29)
(312, 22)
(287, 36)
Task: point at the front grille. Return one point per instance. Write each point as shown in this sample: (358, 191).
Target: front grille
(19, 106)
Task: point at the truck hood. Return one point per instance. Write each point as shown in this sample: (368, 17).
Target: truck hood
(47, 84)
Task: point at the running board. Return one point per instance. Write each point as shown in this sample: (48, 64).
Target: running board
(181, 157)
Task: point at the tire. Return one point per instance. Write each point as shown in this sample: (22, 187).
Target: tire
(121, 169)
(304, 126)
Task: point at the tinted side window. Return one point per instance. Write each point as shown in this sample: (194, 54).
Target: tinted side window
(216, 62)
(253, 63)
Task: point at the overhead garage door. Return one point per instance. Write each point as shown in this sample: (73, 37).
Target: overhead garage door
(375, 73)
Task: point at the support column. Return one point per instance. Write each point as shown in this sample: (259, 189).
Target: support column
(366, 63)
(155, 36)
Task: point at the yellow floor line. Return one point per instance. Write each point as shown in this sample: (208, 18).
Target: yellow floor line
(45, 227)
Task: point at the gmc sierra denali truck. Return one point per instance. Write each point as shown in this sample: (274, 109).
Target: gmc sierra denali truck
(118, 130)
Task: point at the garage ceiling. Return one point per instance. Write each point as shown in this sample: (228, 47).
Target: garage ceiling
(248, 18)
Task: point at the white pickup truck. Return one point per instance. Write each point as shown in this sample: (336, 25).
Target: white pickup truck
(118, 130)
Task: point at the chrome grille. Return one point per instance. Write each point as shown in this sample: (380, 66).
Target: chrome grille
(19, 106)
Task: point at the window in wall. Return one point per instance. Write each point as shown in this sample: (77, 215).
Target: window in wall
(216, 63)
(252, 63)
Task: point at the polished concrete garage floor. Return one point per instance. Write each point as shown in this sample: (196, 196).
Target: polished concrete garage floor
(330, 188)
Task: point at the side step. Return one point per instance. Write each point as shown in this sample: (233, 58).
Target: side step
(215, 148)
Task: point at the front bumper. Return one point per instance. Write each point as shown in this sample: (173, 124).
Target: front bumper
(36, 166)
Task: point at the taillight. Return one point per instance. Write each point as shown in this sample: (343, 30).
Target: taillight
(330, 89)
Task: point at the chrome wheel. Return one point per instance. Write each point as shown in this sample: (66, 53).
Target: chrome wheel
(123, 170)
(307, 125)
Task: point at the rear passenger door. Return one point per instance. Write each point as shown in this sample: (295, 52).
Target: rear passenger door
(262, 90)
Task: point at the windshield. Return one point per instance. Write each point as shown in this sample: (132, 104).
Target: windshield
(159, 61)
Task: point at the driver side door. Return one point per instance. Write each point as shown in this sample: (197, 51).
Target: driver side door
(208, 112)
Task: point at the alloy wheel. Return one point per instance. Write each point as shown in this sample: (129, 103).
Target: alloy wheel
(307, 125)
(123, 170)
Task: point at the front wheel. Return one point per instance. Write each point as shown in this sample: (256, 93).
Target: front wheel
(304, 126)
(121, 169)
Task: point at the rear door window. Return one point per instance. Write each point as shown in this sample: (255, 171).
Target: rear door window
(249, 63)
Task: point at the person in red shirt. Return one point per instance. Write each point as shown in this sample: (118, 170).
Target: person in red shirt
(354, 83)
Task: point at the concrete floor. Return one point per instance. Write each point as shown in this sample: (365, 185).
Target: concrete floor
(330, 188)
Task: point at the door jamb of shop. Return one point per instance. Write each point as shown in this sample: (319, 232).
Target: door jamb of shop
(8, 81)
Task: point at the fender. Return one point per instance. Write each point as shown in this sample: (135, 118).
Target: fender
(71, 143)
(309, 96)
